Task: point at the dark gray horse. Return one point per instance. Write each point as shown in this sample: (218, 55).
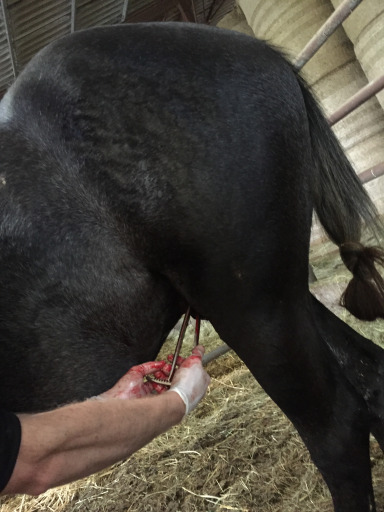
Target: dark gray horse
(148, 167)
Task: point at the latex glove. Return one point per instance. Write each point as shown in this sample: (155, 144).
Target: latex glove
(132, 384)
(190, 380)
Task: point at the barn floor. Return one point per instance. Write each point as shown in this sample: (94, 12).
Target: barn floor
(236, 452)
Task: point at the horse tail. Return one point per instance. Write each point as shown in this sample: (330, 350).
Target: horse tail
(343, 206)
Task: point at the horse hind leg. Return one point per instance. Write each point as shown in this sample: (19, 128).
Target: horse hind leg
(283, 350)
(361, 361)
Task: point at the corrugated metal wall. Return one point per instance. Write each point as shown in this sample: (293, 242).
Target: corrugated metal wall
(90, 13)
(203, 11)
(26, 26)
(32, 25)
(7, 71)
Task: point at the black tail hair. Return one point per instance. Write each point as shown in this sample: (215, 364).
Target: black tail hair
(343, 206)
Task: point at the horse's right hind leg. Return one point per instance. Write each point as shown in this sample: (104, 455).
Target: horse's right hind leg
(280, 345)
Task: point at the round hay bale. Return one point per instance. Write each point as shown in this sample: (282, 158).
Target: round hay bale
(333, 72)
(365, 28)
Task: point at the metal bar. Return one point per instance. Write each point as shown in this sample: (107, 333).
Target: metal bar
(204, 17)
(9, 38)
(184, 17)
(73, 16)
(372, 173)
(311, 274)
(325, 31)
(213, 14)
(124, 11)
(210, 11)
(214, 354)
(357, 99)
(193, 11)
(197, 330)
(179, 342)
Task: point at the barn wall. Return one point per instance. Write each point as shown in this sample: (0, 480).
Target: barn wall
(334, 72)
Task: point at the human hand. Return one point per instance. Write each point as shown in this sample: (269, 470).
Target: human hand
(132, 384)
(191, 381)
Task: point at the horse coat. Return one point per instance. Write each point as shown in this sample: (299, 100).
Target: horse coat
(151, 166)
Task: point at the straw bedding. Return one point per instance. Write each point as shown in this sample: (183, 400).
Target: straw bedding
(236, 452)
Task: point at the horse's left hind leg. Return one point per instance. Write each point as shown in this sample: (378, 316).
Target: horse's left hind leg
(280, 345)
(360, 360)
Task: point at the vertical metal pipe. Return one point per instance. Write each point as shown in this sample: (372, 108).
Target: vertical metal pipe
(73, 16)
(9, 37)
(184, 17)
(329, 27)
(193, 11)
(124, 12)
(364, 94)
(179, 342)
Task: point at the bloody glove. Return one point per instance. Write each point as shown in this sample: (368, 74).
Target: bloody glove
(132, 384)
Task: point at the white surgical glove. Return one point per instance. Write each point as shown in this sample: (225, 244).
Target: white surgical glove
(190, 380)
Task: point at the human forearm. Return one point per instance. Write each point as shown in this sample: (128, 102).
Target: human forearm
(74, 441)
(79, 439)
